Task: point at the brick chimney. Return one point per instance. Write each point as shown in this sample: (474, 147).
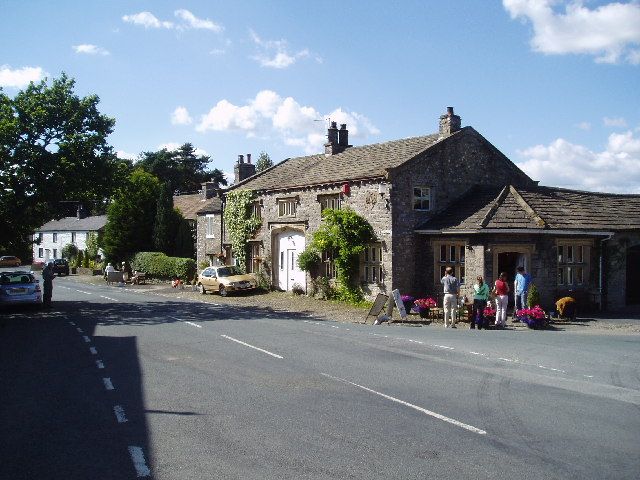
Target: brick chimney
(449, 123)
(80, 213)
(209, 190)
(343, 137)
(243, 170)
(331, 146)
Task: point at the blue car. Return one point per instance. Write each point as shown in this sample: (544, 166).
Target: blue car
(19, 287)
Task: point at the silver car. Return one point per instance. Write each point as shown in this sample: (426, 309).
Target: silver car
(19, 287)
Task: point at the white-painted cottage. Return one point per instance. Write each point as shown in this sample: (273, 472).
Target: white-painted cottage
(53, 236)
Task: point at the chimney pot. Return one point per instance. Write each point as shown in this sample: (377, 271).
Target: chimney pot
(240, 158)
(248, 158)
(449, 111)
(449, 123)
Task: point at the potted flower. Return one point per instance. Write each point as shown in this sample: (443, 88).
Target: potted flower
(534, 317)
(424, 304)
(407, 300)
(489, 315)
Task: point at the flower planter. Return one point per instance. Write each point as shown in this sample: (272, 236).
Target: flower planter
(423, 312)
(534, 323)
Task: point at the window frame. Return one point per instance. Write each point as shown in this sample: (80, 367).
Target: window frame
(454, 257)
(372, 264)
(573, 263)
(330, 200)
(209, 230)
(287, 207)
(422, 197)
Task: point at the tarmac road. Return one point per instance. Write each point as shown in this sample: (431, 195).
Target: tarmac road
(112, 383)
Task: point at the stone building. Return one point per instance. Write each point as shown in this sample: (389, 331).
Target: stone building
(449, 198)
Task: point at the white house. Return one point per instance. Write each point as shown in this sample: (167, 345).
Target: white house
(53, 236)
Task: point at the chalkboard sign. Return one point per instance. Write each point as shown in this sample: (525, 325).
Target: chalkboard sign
(377, 306)
(398, 299)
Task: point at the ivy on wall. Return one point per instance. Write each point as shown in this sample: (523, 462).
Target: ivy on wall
(240, 223)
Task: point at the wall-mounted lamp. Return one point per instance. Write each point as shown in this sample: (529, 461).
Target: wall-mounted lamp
(383, 188)
(469, 247)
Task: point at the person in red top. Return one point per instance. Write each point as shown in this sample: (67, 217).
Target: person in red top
(501, 290)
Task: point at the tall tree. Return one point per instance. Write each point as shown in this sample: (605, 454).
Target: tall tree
(264, 162)
(131, 216)
(182, 168)
(53, 147)
(166, 224)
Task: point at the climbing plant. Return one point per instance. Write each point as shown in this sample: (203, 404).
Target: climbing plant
(347, 234)
(240, 223)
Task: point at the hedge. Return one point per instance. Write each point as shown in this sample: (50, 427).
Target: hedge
(158, 265)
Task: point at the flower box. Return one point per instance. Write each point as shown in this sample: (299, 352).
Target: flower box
(535, 317)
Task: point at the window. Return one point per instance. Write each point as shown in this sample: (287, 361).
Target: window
(55, 253)
(256, 209)
(421, 198)
(451, 254)
(329, 265)
(73, 237)
(287, 207)
(254, 257)
(40, 252)
(210, 232)
(573, 263)
(39, 238)
(54, 237)
(371, 264)
(330, 201)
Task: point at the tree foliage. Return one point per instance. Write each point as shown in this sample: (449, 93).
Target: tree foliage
(181, 168)
(167, 220)
(131, 216)
(264, 162)
(241, 225)
(53, 147)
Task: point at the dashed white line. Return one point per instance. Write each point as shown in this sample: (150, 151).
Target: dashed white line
(107, 383)
(119, 412)
(108, 298)
(99, 364)
(79, 330)
(93, 350)
(73, 324)
(443, 346)
(86, 293)
(251, 346)
(86, 339)
(506, 359)
(139, 463)
(193, 324)
(452, 421)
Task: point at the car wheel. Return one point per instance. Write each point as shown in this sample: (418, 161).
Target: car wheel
(222, 291)
(201, 289)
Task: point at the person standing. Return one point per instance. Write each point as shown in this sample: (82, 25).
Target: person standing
(480, 297)
(501, 290)
(47, 284)
(521, 288)
(450, 301)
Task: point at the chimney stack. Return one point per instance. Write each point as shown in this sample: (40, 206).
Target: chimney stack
(343, 137)
(209, 190)
(337, 140)
(449, 123)
(80, 212)
(243, 170)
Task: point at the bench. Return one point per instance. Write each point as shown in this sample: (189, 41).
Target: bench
(139, 278)
(115, 277)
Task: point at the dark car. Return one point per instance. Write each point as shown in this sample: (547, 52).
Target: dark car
(61, 266)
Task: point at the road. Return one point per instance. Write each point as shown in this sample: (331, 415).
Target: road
(114, 384)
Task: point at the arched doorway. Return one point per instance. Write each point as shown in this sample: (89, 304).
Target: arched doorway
(633, 280)
(288, 244)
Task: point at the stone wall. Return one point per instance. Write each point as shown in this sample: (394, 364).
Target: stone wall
(615, 280)
(206, 247)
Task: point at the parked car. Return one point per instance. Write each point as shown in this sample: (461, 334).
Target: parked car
(19, 287)
(225, 280)
(61, 266)
(10, 261)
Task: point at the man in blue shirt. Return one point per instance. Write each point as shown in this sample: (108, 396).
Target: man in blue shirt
(521, 288)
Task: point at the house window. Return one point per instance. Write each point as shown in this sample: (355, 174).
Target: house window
(330, 201)
(256, 209)
(55, 238)
(55, 253)
(254, 257)
(39, 238)
(73, 237)
(40, 252)
(451, 254)
(371, 264)
(287, 207)
(210, 232)
(573, 263)
(421, 198)
(328, 264)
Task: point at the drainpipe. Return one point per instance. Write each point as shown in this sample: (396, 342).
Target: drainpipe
(601, 272)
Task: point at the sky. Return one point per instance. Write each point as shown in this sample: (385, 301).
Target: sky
(553, 84)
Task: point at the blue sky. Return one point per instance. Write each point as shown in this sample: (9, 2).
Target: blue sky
(555, 85)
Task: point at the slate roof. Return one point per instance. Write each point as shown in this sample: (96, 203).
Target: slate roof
(75, 224)
(536, 209)
(355, 163)
(192, 204)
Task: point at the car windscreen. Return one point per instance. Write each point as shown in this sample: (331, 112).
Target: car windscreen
(15, 278)
(228, 271)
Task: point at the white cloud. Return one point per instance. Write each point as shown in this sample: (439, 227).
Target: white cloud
(20, 77)
(126, 155)
(173, 146)
(614, 122)
(194, 22)
(561, 163)
(586, 126)
(275, 53)
(147, 20)
(268, 114)
(609, 32)
(89, 49)
(180, 116)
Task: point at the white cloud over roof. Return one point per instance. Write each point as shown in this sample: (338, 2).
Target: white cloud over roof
(89, 49)
(19, 77)
(275, 53)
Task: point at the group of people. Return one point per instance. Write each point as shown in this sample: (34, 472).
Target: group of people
(482, 296)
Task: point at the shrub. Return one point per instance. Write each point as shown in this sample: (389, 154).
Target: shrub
(321, 288)
(566, 307)
(69, 251)
(297, 289)
(309, 260)
(533, 297)
(159, 265)
(79, 260)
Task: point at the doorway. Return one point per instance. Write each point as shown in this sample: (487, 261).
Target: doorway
(290, 244)
(508, 262)
(633, 281)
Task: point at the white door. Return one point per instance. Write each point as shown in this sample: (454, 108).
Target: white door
(290, 245)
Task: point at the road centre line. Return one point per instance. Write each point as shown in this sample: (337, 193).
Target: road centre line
(73, 324)
(86, 339)
(119, 412)
(79, 330)
(444, 418)
(139, 463)
(109, 298)
(82, 291)
(107, 383)
(193, 324)
(93, 350)
(251, 346)
(99, 364)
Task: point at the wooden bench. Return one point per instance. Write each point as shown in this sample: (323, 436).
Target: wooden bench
(139, 278)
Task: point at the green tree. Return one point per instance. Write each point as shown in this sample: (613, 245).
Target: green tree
(185, 240)
(53, 147)
(69, 251)
(131, 216)
(264, 162)
(165, 225)
(93, 245)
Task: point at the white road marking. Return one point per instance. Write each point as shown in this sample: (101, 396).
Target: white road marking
(93, 350)
(108, 298)
(119, 411)
(99, 364)
(86, 339)
(193, 324)
(452, 421)
(86, 293)
(588, 376)
(107, 383)
(139, 463)
(72, 324)
(251, 346)
(443, 346)
(79, 330)
(476, 353)
(506, 359)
